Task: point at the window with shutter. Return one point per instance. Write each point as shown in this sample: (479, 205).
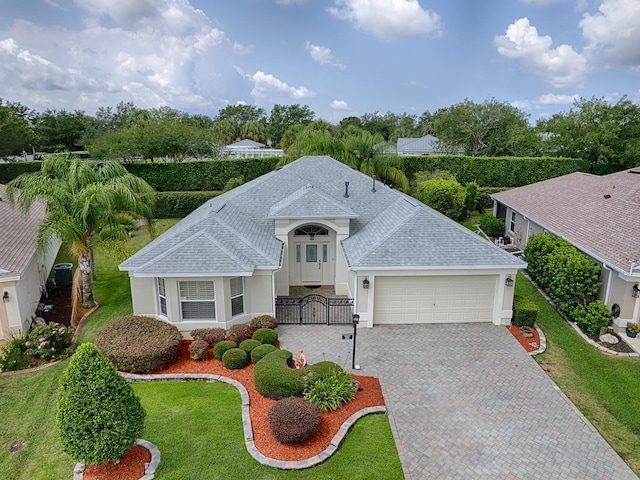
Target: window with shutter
(237, 296)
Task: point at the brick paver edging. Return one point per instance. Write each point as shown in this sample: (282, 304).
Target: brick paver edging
(149, 471)
(246, 419)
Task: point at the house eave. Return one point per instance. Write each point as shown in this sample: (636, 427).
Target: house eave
(358, 268)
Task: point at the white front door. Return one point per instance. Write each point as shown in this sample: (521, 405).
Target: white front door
(312, 262)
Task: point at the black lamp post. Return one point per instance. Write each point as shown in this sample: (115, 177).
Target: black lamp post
(356, 320)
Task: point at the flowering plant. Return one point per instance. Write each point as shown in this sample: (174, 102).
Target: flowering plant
(633, 327)
(49, 341)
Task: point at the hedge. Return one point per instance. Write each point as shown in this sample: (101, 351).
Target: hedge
(11, 170)
(179, 204)
(501, 171)
(200, 176)
(525, 313)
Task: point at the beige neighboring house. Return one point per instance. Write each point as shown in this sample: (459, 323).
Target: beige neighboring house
(317, 225)
(23, 271)
(600, 216)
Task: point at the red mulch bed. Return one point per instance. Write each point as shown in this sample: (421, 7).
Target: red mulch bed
(530, 344)
(130, 467)
(330, 422)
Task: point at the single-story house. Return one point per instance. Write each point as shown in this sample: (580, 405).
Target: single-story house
(426, 145)
(249, 149)
(23, 270)
(317, 222)
(599, 215)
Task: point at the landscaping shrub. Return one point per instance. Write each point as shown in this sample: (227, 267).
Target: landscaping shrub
(264, 321)
(209, 335)
(179, 204)
(139, 344)
(266, 335)
(445, 195)
(261, 351)
(331, 391)
(492, 226)
(221, 347)
(525, 313)
(249, 345)
(240, 332)
(233, 183)
(99, 417)
(592, 318)
(235, 358)
(13, 357)
(198, 349)
(293, 420)
(49, 341)
(471, 197)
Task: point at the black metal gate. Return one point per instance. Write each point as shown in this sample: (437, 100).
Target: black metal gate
(314, 309)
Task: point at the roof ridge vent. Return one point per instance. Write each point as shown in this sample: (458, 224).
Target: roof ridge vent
(346, 189)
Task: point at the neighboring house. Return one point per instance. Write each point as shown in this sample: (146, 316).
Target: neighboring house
(427, 145)
(319, 222)
(600, 216)
(23, 270)
(249, 149)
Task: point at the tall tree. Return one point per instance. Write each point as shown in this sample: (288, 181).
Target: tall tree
(491, 128)
(81, 200)
(16, 135)
(284, 116)
(60, 129)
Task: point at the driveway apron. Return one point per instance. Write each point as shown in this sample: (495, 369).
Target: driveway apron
(465, 401)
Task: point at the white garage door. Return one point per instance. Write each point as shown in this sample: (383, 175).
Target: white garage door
(446, 299)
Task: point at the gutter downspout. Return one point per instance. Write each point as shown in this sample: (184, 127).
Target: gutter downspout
(273, 282)
(608, 289)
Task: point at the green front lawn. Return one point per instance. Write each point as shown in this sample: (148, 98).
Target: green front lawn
(605, 388)
(197, 426)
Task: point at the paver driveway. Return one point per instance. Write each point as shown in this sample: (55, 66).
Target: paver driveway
(467, 402)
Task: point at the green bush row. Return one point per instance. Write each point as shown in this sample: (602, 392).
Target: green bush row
(501, 171)
(525, 313)
(179, 204)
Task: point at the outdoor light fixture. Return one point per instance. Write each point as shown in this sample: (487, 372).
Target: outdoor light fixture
(635, 293)
(356, 320)
(365, 283)
(5, 297)
(508, 281)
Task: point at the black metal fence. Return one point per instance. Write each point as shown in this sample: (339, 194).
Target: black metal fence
(314, 309)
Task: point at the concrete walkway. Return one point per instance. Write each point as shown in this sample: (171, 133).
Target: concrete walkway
(467, 402)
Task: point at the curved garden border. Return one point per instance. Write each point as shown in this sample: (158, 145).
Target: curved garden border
(149, 471)
(246, 419)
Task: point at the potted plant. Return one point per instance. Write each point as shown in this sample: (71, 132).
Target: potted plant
(633, 329)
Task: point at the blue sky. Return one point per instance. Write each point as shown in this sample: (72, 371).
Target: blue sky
(340, 57)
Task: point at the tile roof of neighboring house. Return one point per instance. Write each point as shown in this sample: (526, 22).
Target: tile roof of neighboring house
(17, 236)
(387, 228)
(600, 215)
(246, 143)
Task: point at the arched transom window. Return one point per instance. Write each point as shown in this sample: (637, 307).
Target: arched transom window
(311, 230)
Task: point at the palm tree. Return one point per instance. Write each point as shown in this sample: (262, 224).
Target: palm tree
(81, 201)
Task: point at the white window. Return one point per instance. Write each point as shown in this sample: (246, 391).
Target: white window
(237, 296)
(197, 300)
(512, 224)
(162, 297)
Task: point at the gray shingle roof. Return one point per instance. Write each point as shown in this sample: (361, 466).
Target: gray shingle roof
(17, 236)
(387, 228)
(574, 206)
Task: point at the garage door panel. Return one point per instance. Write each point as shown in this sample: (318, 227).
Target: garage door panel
(446, 299)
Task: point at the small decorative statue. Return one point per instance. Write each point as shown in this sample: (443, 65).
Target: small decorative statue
(301, 361)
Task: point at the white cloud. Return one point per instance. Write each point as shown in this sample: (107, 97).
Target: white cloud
(339, 105)
(241, 49)
(323, 56)
(523, 104)
(553, 99)
(387, 19)
(614, 31)
(561, 66)
(266, 86)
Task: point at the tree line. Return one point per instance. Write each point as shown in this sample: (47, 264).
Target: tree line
(592, 129)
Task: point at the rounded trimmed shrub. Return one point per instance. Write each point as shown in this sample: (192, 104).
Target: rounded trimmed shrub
(264, 321)
(261, 351)
(209, 335)
(293, 420)
(266, 335)
(99, 417)
(139, 344)
(235, 358)
(240, 332)
(221, 347)
(249, 345)
(198, 349)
